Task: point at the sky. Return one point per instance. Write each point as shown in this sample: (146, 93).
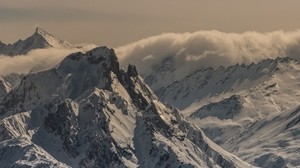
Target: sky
(116, 23)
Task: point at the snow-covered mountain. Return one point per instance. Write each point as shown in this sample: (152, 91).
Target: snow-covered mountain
(86, 112)
(250, 110)
(39, 40)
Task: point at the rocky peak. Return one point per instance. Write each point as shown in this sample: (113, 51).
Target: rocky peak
(40, 31)
(100, 57)
(131, 70)
(75, 75)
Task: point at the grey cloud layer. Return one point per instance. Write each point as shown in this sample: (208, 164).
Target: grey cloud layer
(192, 51)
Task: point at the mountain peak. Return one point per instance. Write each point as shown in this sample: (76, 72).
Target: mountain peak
(95, 56)
(48, 39)
(40, 31)
(131, 70)
(39, 40)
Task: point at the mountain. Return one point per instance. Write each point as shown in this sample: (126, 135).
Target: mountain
(87, 112)
(39, 40)
(251, 111)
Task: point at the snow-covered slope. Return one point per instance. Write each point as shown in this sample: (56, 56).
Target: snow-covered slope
(86, 112)
(40, 39)
(250, 110)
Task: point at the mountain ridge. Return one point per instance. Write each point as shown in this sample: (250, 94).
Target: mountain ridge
(219, 76)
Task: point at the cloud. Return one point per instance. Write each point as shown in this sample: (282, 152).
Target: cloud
(191, 51)
(36, 60)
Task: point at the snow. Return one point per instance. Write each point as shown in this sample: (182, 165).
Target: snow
(249, 110)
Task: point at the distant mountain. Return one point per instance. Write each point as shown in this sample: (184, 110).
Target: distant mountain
(250, 110)
(86, 112)
(210, 82)
(39, 40)
(162, 74)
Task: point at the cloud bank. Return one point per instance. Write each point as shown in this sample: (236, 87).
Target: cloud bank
(192, 51)
(36, 60)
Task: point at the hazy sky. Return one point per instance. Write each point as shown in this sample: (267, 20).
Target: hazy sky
(118, 22)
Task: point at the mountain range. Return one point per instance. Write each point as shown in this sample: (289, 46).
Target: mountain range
(251, 110)
(88, 112)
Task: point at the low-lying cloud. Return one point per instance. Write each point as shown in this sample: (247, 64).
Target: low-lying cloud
(36, 60)
(192, 51)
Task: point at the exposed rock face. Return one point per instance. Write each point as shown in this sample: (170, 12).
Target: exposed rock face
(4, 88)
(63, 122)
